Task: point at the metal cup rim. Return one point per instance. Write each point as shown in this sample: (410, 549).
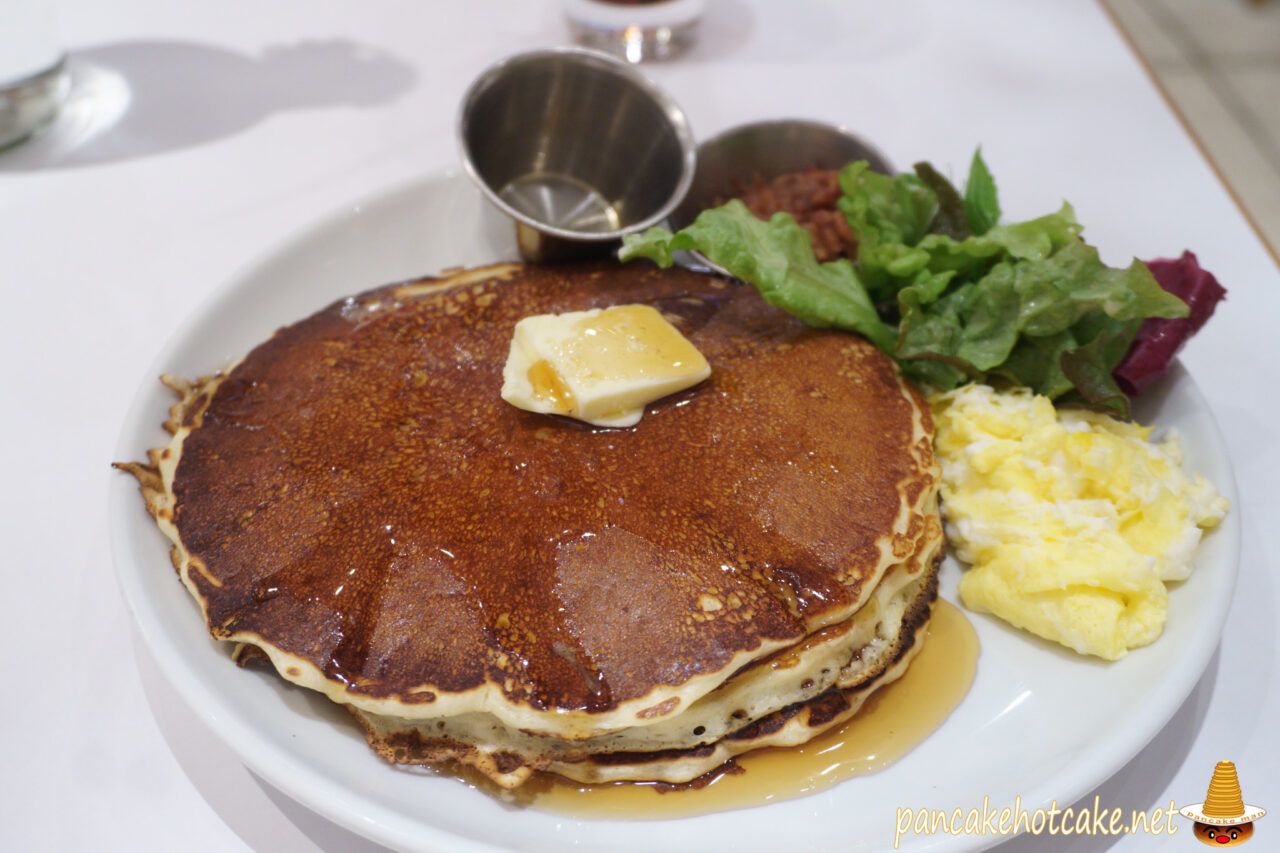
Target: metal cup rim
(878, 161)
(601, 60)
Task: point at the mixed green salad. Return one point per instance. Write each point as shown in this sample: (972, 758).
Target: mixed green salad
(942, 286)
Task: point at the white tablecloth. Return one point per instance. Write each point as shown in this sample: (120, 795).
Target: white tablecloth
(200, 135)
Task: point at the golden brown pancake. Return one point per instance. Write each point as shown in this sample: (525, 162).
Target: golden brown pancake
(694, 742)
(355, 499)
(792, 725)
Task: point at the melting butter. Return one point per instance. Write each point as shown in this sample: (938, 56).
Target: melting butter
(601, 366)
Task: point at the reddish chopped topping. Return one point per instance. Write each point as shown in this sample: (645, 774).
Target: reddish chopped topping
(810, 197)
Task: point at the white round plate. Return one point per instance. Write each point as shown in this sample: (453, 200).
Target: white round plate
(1040, 722)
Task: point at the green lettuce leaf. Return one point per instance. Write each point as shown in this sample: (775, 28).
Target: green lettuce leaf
(1037, 363)
(888, 209)
(951, 218)
(981, 204)
(1050, 306)
(939, 284)
(1089, 367)
(1060, 289)
(889, 215)
(777, 257)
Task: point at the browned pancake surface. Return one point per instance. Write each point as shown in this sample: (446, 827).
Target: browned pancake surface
(363, 499)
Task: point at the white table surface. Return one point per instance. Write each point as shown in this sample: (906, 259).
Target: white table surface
(200, 135)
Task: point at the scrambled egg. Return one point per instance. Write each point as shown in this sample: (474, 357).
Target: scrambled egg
(1071, 520)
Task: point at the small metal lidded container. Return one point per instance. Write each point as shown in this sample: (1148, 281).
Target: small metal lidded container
(635, 30)
(575, 146)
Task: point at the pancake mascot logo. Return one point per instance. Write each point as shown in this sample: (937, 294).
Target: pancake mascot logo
(1223, 820)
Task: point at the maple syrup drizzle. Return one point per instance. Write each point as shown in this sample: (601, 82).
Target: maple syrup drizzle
(549, 387)
(894, 720)
(632, 340)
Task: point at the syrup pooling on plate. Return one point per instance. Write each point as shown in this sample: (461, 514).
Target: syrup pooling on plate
(893, 721)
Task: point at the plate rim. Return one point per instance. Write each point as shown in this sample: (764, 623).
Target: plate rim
(248, 745)
(290, 772)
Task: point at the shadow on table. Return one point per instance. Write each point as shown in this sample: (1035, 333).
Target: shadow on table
(1139, 785)
(135, 99)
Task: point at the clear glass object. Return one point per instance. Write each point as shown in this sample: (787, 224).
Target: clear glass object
(635, 30)
(33, 77)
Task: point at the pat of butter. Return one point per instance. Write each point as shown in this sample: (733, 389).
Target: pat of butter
(600, 366)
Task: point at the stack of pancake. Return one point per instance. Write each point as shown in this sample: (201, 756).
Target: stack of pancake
(520, 592)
